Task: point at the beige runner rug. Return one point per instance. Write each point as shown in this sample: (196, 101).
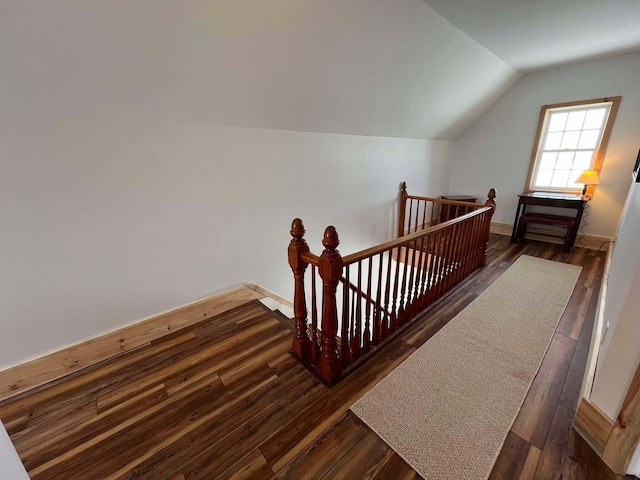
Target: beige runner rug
(448, 408)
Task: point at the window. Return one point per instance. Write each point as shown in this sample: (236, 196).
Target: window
(571, 138)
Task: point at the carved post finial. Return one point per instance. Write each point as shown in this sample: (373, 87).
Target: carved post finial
(330, 239)
(297, 229)
(404, 187)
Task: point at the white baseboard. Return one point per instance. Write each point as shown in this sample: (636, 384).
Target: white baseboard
(592, 242)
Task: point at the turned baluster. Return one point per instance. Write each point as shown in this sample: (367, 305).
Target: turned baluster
(330, 267)
(403, 206)
(298, 246)
(491, 202)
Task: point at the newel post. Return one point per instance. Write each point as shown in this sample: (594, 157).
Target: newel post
(297, 246)
(402, 209)
(330, 268)
(491, 202)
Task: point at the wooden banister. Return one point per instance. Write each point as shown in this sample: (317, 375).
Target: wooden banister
(384, 287)
(362, 254)
(310, 258)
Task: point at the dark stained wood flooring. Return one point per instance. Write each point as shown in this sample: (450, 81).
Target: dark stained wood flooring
(224, 399)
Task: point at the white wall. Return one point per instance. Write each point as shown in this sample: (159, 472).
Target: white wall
(107, 220)
(496, 149)
(370, 67)
(121, 192)
(619, 354)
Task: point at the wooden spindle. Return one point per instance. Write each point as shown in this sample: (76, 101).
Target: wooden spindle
(402, 208)
(377, 320)
(433, 268)
(345, 354)
(424, 215)
(386, 320)
(330, 266)
(419, 269)
(411, 279)
(358, 309)
(314, 350)
(366, 343)
(428, 259)
(355, 339)
(433, 213)
(410, 215)
(394, 297)
(297, 247)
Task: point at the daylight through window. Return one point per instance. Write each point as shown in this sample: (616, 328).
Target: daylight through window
(570, 141)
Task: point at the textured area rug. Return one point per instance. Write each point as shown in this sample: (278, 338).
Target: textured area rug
(448, 408)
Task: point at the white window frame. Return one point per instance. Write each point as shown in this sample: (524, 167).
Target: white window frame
(600, 150)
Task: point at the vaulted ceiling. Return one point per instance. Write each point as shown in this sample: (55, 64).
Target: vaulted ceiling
(535, 34)
(363, 67)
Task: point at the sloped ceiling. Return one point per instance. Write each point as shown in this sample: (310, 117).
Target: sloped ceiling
(382, 68)
(536, 34)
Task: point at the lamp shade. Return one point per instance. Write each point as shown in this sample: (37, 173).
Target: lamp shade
(588, 177)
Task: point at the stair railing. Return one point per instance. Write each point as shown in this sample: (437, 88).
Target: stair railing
(368, 297)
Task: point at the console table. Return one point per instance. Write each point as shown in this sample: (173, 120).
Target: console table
(558, 200)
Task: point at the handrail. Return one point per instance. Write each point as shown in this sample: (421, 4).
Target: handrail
(310, 258)
(446, 202)
(392, 284)
(398, 242)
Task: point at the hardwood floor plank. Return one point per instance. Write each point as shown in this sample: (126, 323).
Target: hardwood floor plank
(261, 357)
(283, 362)
(178, 476)
(530, 464)
(317, 459)
(573, 317)
(17, 424)
(396, 469)
(51, 419)
(556, 446)
(252, 411)
(252, 467)
(363, 460)
(36, 448)
(220, 354)
(95, 455)
(83, 381)
(513, 458)
(248, 428)
(309, 423)
(538, 409)
(570, 394)
(32, 374)
(201, 438)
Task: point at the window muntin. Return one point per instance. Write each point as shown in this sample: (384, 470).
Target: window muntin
(570, 140)
(572, 137)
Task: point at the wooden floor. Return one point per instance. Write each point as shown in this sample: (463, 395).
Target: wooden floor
(224, 399)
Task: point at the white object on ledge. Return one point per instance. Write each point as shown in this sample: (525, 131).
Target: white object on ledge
(11, 467)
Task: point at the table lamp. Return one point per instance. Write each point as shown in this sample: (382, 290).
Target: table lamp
(588, 177)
